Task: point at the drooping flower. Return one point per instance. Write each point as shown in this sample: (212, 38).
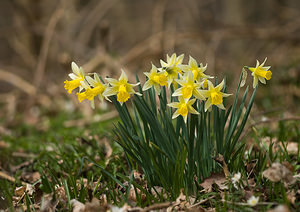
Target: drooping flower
(197, 70)
(155, 79)
(260, 73)
(188, 87)
(171, 67)
(184, 106)
(121, 88)
(253, 201)
(97, 89)
(214, 95)
(77, 77)
(93, 88)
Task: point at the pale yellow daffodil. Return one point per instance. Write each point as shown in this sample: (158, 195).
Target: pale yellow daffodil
(77, 77)
(215, 96)
(184, 106)
(260, 73)
(197, 70)
(155, 79)
(171, 67)
(188, 87)
(121, 88)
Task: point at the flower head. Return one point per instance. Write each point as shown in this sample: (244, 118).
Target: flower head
(214, 95)
(77, 77)
(172, 67)
(121, 88)
(197, 70)
(184, 106)
(236, 177)
(253, 201)
(260, 73)
(155, 79)
(97, 89)
(188, 87)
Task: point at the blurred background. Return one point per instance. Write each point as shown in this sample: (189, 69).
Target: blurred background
(40, 38)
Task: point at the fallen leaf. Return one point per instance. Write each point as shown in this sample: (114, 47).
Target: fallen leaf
(278, 172)
(217, 178)
(292, 148)
(48, 204)
(280, 208)
(95, 205)
(77, 206)
(291, 197)
(31, 176)
(19, 191)
(4, 145)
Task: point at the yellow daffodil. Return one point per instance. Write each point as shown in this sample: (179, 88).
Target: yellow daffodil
(253, 201)
(184, 106)
(155, 79)
(77, 77)
(260, 73)
(97, 88)
(121, 88)
(93, 88)
(171, 67)
(214, 95)
(197, 70)
(188, 87)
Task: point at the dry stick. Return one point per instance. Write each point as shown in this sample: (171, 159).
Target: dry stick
(157, 206)
(40, 69)
(9, 178)
(17, 81)
(93, 19)
(296, 118)
(201, 202)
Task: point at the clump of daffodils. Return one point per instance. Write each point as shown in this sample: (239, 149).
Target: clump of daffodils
(180, 118)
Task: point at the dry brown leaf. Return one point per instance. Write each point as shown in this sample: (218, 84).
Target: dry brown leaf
(292, 148)
(95, 205)
(31, 176)
(280, 208)
(4, 145)
(217, 178)
(19, 191)
(77, 206)
(278, 172)
(291, 196)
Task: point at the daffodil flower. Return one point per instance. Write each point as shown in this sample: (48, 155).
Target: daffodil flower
(155, 79)
(188, 87)
(121, 88)
(184, 106)
(77, 77)
(171, 67)
(253, 201)
(260, 73)
(214, 95)
(197, 70)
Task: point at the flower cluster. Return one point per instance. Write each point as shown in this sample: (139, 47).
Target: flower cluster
(190, 81)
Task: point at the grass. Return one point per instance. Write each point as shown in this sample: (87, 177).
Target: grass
(76, 161)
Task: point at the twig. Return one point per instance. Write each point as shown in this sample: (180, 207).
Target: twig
(158, 206)
(40, 69)
(17, 81)
(201, 202)
(9, 178)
